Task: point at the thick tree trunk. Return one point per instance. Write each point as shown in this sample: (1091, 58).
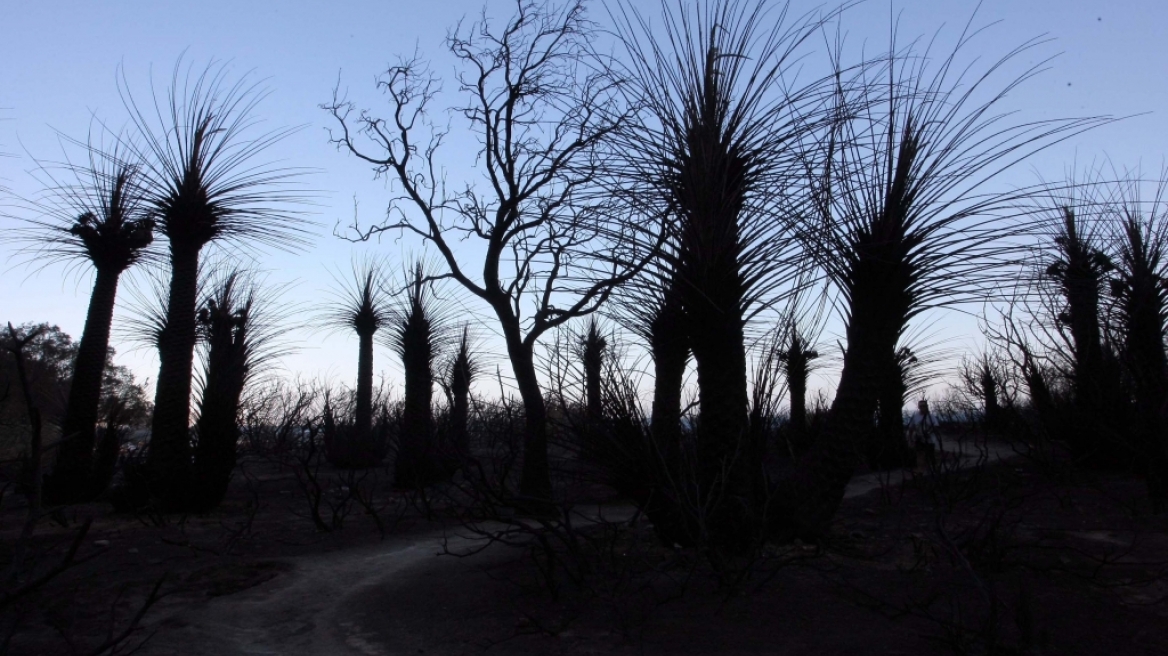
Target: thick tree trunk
(1148, 365)
(417, 464)
(728, 456)
(217, 428)
(888, 448)
(535, 483)
(71, 478)
(168, 462)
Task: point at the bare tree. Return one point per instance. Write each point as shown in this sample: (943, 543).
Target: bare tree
(542, 107)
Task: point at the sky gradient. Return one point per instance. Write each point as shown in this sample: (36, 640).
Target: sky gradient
(61, 61)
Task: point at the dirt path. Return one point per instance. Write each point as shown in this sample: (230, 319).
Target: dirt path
(310, 610)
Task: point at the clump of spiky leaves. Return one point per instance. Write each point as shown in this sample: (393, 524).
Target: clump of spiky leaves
(95, 215)
(905, 224)
(724, 121)
(418, 335)
(461, 371)
(1139, 287)
(1079, 269)
(796, 360)
(593, 346)
(361, 304)
(238, 326)
(200, 145)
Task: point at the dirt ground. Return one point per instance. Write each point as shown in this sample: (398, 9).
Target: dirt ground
(1011, 557)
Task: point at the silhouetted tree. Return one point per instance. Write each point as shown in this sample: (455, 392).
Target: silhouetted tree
(460, 373)
(100, 218)
(204, 184)
(416, 336)
(1139, 287)
(543, 108)
(716, 146)
(905, 224)
(361, 304)
(236, 344)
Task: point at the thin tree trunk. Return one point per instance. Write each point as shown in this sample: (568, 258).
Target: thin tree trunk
(362, 437)
(169, 459)
(70, 481)
(459, 412)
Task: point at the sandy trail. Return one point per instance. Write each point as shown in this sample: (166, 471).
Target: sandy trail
(303, 611)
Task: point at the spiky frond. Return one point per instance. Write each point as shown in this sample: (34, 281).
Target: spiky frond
(723, 132)
(202, 148)
(421, 316)
(361, 299)
(93, 211)
(903, 186)
(237, 306)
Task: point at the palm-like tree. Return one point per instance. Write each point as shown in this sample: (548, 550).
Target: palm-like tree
(904, 225)
(238, 326)
(101, 219)
(200, 147)
(361, 304)
(460, 373)
(417, 336)
(1140, 291)
(722, 126)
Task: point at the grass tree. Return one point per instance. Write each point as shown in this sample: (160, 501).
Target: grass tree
(1139, 286)
(461, 372)
(238, 331)
(361, 303)
(553, 247)
(417, 335)
(796, 360)
(594, 350)
(99, 217)
(206, 182)
(1079, 268)
(905, 223)
(722, 124)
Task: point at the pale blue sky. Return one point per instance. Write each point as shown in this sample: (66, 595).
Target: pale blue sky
(58, 63)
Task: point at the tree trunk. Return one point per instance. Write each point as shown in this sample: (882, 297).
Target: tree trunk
(535, 483)
(670, 350)
(663, 500)
(416, 464)
(363, 413)
(888, 448)
(169, 459)
(70, 481)
(727, 456)
(218, 427)
(460, 380)
(803, 505)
